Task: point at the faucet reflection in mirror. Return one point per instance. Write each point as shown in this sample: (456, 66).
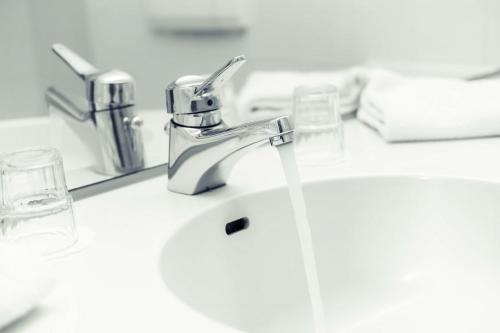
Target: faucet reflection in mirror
(203, 149)
(110, 112)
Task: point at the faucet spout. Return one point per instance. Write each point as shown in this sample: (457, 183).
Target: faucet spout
(201, 159)
(277, 131)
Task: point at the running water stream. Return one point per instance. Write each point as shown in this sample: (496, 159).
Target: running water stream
(290, 169)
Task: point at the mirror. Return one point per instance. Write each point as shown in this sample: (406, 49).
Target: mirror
(38, 89)
(158, 41)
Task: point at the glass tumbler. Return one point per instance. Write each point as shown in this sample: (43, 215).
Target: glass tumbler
(319, 136)
(35, 205)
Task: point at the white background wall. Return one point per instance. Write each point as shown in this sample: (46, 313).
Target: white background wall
(27, 66)
(18, 72)
(283, 34)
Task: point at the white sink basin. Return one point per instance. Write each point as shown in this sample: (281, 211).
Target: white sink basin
(395, 254)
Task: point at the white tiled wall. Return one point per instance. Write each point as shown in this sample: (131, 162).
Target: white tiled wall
(312, 34)
(18, 72)
(27, 66)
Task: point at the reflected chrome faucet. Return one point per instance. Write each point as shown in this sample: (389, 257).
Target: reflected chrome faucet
(203, 149)
(110, 96)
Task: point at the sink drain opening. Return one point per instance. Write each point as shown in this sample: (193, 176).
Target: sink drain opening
(237, 225)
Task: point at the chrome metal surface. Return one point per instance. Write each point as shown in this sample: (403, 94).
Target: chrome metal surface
(105, 89)
(201, 159)
(219, 77)
(110, 90)
(190, 95)
(198, 120)
(121, 144)
(285, 127)
(203, 149)
(110, 97)
(80, 66)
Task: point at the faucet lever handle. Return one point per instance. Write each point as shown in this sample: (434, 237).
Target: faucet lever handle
(80, 66)
(220, 76)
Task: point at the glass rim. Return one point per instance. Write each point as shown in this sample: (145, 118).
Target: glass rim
(315, 88)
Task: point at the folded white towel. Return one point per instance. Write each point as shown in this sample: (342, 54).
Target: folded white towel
(23, 283)
(269, 93)
(410, 109)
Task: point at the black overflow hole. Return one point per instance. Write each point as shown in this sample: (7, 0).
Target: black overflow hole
(237, 225)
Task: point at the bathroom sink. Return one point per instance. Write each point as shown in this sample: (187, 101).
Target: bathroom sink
(395, 254)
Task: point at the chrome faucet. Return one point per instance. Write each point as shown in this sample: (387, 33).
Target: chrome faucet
(203, 149)
(110, 97)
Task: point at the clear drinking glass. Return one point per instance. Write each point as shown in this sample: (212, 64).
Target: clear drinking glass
(319, 135)
(35, 205)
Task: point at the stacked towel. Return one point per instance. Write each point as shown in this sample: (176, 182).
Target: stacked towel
(400, 108)
(269, 93)
(410, 109)
(23, 283)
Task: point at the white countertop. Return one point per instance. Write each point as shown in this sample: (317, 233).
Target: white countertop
(113, 284)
